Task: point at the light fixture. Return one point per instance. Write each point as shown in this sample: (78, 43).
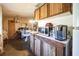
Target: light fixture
(17, 18)
(33, 21)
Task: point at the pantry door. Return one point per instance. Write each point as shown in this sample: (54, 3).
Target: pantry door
(11, 28)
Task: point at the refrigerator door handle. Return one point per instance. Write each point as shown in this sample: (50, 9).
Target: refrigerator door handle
(76, 28)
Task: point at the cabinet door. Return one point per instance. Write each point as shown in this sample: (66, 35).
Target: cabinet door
(43, 11)
(37, 47)
(36, 14)
(67, 7)
(32, 43)
(48, 50)
(45, 49)
(55, 8)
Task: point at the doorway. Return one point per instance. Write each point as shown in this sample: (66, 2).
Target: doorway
(11, 28)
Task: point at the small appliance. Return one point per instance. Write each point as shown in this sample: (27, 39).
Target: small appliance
(59, 32)
(41, 30)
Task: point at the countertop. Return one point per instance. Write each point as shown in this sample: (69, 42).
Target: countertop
(32, 32)
(45, 36)
(51, 38)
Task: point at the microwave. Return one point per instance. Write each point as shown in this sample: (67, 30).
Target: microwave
(43, 30)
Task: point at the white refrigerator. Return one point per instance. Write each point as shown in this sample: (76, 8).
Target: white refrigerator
(76, 29)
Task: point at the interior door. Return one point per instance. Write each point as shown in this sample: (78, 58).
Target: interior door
(11, 28)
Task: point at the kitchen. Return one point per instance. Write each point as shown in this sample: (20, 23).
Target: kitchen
(46, 32)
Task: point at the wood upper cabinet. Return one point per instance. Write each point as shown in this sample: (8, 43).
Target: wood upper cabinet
(52, 9)
(57, 8)
(43, 11)
(36, 14)
(67, 7)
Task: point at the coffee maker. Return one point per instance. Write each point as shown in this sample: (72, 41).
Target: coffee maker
(60, 32)
(48, 28)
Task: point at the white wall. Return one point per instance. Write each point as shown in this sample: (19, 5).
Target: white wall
(0, 20)
(65, 19)
(1, 38)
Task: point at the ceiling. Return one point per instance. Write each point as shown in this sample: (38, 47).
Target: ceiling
(19, 9)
